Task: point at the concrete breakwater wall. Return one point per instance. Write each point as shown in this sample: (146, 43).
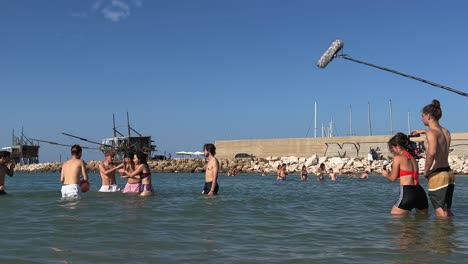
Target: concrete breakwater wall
(257, 165)
(345, 147)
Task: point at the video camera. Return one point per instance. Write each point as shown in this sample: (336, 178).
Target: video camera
(416, 149)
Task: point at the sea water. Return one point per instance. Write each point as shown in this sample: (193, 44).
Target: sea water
(254, 219)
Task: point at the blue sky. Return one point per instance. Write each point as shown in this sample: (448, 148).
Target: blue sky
(191, 72)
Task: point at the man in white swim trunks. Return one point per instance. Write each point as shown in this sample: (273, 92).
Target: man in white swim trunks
(72, 171)
(107, 170)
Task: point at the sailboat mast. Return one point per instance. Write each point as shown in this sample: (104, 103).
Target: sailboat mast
(409, 128)
(369, 118)
(315, 119)
(128, 124)
(350, 120)
(391, 116)
(113, 125)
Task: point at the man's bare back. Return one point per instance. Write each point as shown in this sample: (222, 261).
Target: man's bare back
(437, 145)
(72, 170)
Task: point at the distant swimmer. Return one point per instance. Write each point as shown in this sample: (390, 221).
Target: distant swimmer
(73, 170)
(141, 172)
(364, 175)
(405, 167)
(133, 184)
(304, 176)
(278, 172)
(5, 159)
(107, 170)
(282, 174)
(441, 180)
(331, 174)
(319, 174)
(211, 186)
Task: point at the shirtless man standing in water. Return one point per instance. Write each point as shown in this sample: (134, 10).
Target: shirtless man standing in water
(5, 158)
(441, 181)
(107, 170)
(211, 170)
(72, 170)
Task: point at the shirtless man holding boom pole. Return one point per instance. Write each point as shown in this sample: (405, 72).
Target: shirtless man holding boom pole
(441, 181)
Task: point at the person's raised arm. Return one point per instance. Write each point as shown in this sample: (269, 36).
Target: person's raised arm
(103, 170)
(418, 132)
(392, 175)
(10, 171)
(134, 174)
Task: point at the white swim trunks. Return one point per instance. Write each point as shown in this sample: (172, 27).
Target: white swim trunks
(110, 188)
(71, 191)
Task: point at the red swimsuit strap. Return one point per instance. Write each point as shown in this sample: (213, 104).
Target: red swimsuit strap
(415, 174)
(407, 154)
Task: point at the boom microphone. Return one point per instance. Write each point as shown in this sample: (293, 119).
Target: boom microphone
(330, 53)
(337, 45)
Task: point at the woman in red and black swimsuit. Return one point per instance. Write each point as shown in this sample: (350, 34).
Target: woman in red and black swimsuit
(405, 167)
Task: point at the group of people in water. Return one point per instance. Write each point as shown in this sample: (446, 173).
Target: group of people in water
(281, 173)
(134, 168)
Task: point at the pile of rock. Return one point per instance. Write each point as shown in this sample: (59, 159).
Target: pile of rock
(258, 165)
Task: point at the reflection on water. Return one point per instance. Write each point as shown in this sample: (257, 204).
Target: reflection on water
(69, 203)
(430, 239)
(441, 236)
(211, 226)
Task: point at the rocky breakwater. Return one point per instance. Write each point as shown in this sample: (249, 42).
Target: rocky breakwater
(257, 165)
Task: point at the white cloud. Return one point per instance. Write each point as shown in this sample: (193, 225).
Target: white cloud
(115, 10)
(96, 5)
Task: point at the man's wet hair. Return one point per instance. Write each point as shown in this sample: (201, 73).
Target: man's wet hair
(211, 148)
(76, 150)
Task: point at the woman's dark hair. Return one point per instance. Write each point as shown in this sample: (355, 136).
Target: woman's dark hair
(399, 139)
(4, 154)
(433, 109)
(141, 157)
(129, 155)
